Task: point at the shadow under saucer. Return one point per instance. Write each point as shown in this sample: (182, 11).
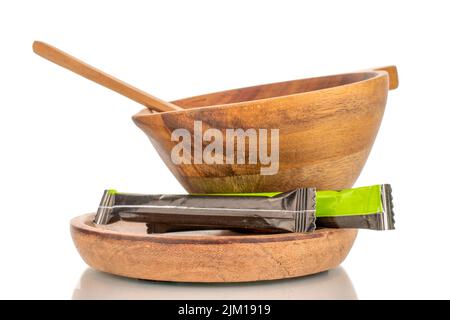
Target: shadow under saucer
(332, 284)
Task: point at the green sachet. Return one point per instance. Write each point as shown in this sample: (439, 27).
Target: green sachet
(361, 208)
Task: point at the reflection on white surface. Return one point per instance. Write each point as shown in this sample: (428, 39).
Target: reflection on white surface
(333, 284)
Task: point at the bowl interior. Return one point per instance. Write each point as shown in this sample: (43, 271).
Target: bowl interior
(272, 90)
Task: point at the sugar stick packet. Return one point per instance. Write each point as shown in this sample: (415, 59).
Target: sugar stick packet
(300, 210)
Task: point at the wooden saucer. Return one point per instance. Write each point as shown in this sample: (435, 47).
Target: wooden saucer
(125, 249)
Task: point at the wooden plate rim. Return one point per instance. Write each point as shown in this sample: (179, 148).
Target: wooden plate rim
(83, 225)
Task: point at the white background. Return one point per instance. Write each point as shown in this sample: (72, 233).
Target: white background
(64, 139)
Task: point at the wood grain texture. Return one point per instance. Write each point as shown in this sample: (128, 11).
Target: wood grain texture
(327, 128)
(124, 250)
(81, 68)
(392, 74)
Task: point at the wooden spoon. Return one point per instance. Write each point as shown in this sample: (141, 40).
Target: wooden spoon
(83, 69)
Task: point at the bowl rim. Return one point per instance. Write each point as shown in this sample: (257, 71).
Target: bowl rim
(373, 75)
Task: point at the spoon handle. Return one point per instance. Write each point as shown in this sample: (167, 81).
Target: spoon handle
(393, 76)
(83, 69)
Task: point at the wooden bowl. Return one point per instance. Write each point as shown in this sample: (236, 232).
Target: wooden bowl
(327, 126)
(125, 249)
